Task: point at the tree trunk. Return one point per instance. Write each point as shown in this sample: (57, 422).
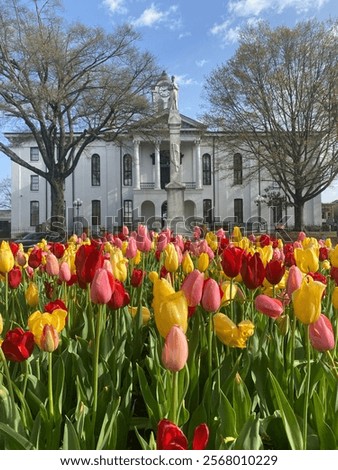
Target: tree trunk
(299, 215)
(57, 222)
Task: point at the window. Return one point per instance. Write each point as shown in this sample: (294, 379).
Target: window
(206, 166)
(34, 183)
(207, 211)
(34, 213)
(34, 154)
(96, 170)
(238, 210)
(128, 212)
(96, 212)
(238, 169)
(127, 170)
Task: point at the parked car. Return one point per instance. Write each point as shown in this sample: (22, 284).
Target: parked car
(31, 239)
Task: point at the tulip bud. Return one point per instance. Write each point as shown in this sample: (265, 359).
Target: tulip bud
(32, 295)
(137, 277)
(270, 306)
(294, 280)
(335, 298)
(64, 273)
(192, 287)
(1, 324)
(321, 334)
(6, 257)
(203, 262)
(52, 265)
(187, 264)
(175, 350)
(102, 286)
(211, 296)
(14, 277)
(49, 340)
(171, 258)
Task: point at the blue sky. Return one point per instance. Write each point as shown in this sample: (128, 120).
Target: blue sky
(189, 38)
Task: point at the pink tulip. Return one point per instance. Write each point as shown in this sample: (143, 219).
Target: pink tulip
(21, 258)
(64, 273)
(192, 287)
(294, 280)
(102, 286)
(321, 334)
(162, 241)
(211, 296)
(118, 242)
(301, 236)
(197, 233)
(131, 250)
(52, 265)
(143, 241)
(270, 306)
(175, 350)
(125, 230)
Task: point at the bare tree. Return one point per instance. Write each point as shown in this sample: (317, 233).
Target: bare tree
(5, 193)
(67, 85)
(276, 100)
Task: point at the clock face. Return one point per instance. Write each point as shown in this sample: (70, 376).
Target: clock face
(164, 91)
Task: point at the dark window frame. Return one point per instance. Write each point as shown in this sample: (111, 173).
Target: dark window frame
(207, 211)
(238, 210)
(34, 183)
(127, 170)
(34, 155)
(127, 212)
(96, 212)
(238, 168)
(96, 170)
(34, 214)
(206, 169)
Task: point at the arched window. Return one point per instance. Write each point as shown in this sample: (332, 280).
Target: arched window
(206, 166)
(96, 170)
(127, 170)
(238, 169)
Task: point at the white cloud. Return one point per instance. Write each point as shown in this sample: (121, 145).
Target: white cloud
(153, 16)
(116, 6)
(201, 63)
(257, 7)
(184, 80)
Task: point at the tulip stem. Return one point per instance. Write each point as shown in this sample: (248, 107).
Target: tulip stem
(96, 354)
(6, 293)
(8, 377)
(307, 386)
(50, 386)
(210, 335)
(174, 394)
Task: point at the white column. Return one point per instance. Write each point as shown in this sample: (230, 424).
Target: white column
(198, 164)
(157, 165)
(137, 184)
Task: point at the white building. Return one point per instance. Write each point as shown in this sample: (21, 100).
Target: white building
(124, 183)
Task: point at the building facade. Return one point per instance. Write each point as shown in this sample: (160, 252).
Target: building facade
(126, 182)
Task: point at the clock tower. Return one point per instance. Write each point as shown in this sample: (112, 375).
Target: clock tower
(162, 92)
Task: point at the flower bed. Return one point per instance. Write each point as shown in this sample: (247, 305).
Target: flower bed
(152, 341)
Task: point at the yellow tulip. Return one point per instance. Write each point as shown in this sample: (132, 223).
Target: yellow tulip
(212, 240)
(119, 265)
(328, 243)
(335, 298)
(171, 258)
(229, 333)
(307, 300)
(307, 260)
(187, 263)
(32, 295)
(203, 262)
(236, 234)
(229, 292)
(161, 289)
(138, 257)
(173, 310)
(37, 321)
(326, 264)
(145, 313)
(266, 253)
(333, 256)
(1, 324)
(6, 257)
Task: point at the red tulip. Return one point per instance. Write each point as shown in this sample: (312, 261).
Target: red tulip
(14, 248)
(192, 287)
(35, 258)
(171, 437)
(274, 271)
(323, 253)
(252, 270)
(175, 349)
(88, 259)
(334, 274)
(18, 345)
(120, 297)
(232, 261)
(56, 304)
(58, 249)
(321, 334)
(102, 286)
(270, 306)
(137, 277)
(14, 277)
(211, 296)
